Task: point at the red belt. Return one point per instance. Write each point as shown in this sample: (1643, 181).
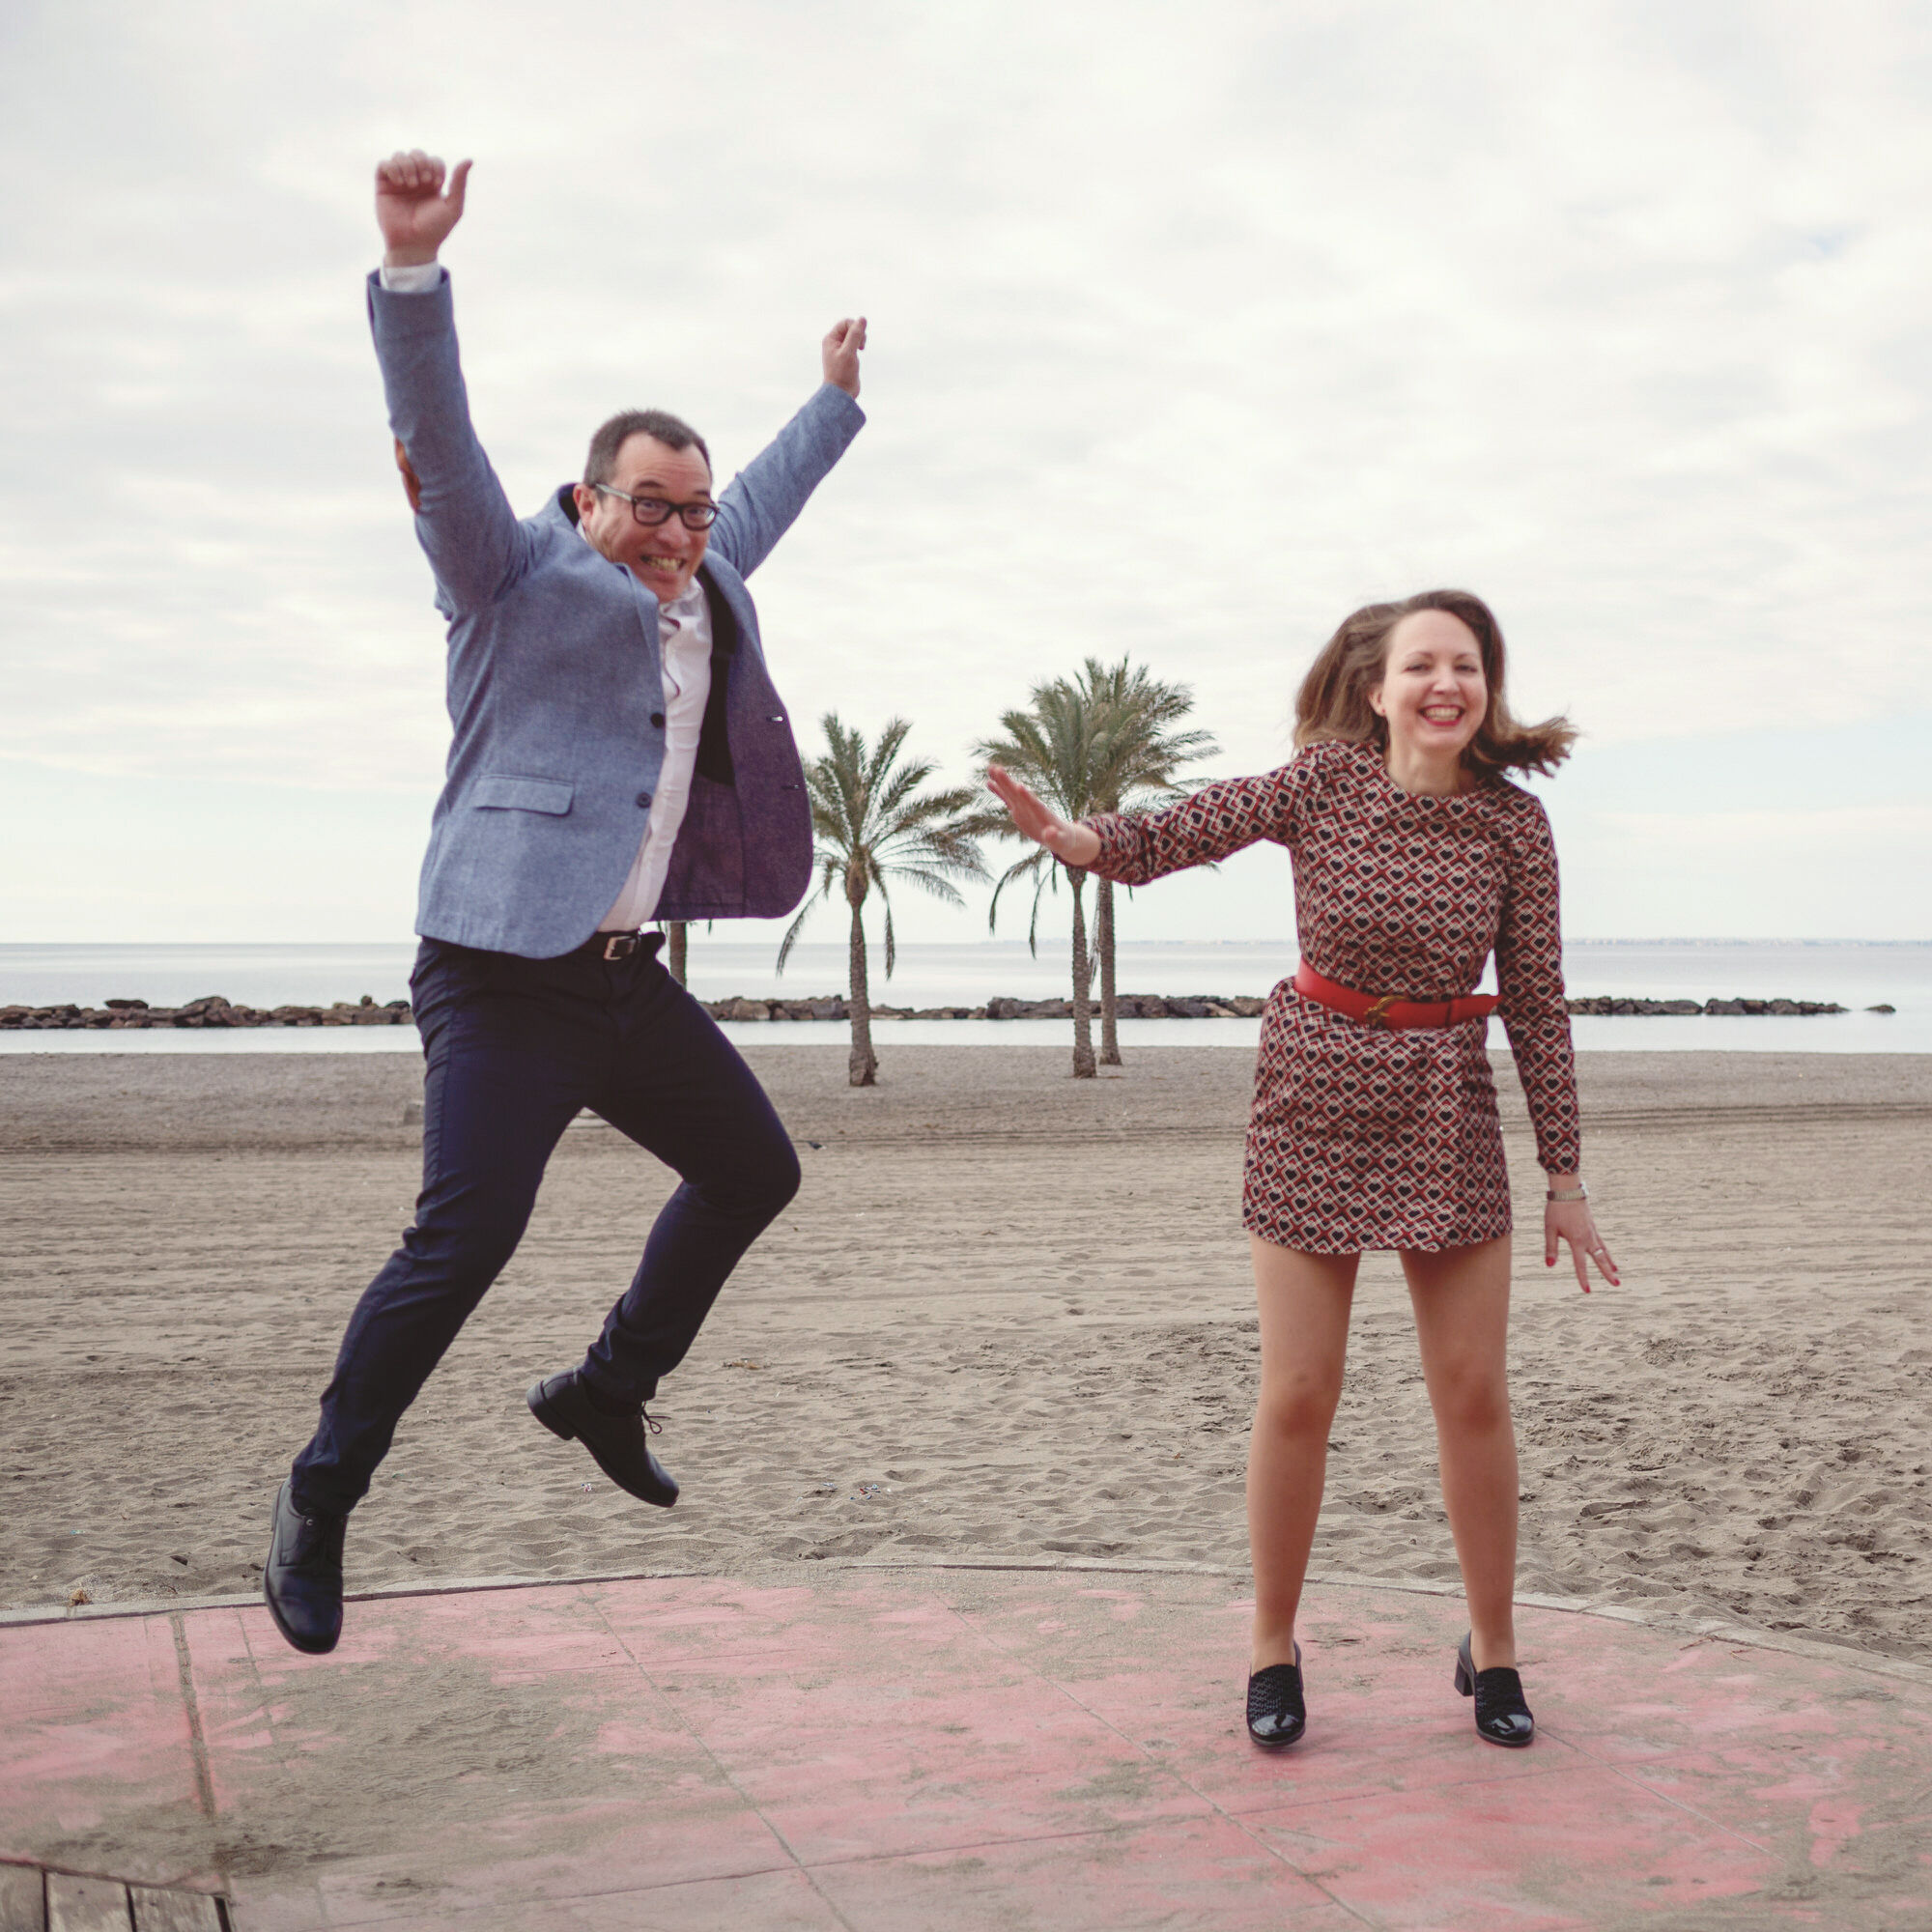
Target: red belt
(1388, 1011)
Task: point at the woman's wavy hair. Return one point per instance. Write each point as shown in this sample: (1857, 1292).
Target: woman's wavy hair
(1333, 702)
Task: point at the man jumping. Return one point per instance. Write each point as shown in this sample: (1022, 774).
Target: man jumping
(619, 755)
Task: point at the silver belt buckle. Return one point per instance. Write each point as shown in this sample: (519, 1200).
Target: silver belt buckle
(620, 944)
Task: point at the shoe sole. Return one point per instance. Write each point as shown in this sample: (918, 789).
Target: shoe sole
(535, 1399)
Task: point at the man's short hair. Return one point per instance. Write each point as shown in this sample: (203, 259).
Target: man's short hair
(601, 465)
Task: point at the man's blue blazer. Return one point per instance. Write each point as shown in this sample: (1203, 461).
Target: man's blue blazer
(555, 675)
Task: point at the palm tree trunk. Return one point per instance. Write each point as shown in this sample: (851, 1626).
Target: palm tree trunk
(1103, 944)
(863, 1067)
(1083, 981)
(677, 950)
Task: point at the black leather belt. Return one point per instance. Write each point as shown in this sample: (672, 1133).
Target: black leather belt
(617, 945)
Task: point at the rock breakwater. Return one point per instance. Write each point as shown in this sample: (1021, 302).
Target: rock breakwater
(214, 1011)
(211, 1010)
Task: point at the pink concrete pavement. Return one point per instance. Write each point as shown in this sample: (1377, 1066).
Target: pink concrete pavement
(952, 1749)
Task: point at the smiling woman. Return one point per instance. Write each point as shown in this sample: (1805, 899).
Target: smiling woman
(1375, 1120)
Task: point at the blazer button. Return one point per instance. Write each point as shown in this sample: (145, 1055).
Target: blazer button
(658, 718)
(644, 798)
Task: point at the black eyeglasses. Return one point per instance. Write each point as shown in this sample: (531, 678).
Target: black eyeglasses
(654, 511)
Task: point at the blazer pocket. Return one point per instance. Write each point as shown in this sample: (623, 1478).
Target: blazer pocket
(499, 792)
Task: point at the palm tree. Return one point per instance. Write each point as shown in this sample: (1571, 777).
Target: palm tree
(677, 950)
(1097, 742)
(1054, 747)
(1139, 756)
(873, 823)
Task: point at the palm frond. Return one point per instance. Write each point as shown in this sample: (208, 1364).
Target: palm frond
(872, 821)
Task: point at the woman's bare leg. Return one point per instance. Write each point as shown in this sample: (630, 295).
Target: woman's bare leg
(1462, 1318)
(1304, 1302)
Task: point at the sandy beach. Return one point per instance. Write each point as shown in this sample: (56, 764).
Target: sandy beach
(1010, 1317)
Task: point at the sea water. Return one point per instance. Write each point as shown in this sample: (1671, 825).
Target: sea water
(1855, 974)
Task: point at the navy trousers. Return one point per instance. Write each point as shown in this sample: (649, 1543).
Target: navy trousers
(514, 1048)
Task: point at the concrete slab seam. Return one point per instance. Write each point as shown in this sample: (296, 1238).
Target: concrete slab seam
(197, 1741)
(1630, 1775)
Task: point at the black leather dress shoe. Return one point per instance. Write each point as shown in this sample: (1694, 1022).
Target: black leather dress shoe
(1501, 1715)
(301, 1582)
(1276, 1713)
(616, 1443)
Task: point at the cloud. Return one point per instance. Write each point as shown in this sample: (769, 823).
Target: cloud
(1193, 329)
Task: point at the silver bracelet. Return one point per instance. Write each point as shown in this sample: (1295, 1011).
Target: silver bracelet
(1582, 1192)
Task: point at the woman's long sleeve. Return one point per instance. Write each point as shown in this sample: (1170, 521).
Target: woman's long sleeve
(1210, 824)
(1529, 977)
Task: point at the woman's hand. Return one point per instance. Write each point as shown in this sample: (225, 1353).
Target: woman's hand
(1077, 845)
(1571, 1221)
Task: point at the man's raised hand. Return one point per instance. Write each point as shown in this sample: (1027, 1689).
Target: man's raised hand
(839, 352)
(413, 212)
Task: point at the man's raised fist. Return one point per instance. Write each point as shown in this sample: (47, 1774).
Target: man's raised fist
(412, 210)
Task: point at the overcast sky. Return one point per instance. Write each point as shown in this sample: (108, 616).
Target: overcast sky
(1193, 328)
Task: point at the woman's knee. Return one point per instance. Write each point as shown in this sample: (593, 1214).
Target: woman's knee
(1470, 1401)
(1298, 1406)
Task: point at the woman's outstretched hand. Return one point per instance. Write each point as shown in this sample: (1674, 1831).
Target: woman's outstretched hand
(1071, 845)
(1571, 1221)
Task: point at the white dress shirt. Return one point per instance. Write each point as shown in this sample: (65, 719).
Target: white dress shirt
(684, 633)
(683, 636)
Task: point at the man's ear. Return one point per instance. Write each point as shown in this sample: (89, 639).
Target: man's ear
(585, 496)
(411, 483)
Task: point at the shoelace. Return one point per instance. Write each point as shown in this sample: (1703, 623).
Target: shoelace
(319, 1540)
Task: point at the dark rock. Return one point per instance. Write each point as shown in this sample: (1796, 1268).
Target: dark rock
(1870, 1009)
(126, 1006)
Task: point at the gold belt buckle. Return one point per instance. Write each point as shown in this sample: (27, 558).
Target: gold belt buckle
(1377, 1013)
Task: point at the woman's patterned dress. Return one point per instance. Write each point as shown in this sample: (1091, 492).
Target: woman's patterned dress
(1362, 1137)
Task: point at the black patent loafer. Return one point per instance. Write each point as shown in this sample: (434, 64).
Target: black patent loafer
(616, 1443)
(301, 1582)
(1501, 1715)
(1277, 1714)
